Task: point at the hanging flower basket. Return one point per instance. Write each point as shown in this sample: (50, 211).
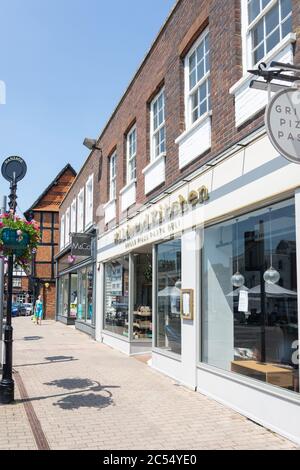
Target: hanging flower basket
(18, 237)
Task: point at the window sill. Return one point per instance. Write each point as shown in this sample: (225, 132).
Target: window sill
(109, 203)
(128, 186)
(153, 163)
(191, 129)
(289, 39)
(282, 394)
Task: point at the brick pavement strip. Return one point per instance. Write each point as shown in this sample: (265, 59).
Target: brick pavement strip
(85, 395)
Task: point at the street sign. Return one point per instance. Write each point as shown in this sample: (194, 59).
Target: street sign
(14, 169)
(282, 121)
(81, 244)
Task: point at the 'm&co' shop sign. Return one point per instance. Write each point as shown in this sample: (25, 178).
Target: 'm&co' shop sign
(81, 244)
(283, 123)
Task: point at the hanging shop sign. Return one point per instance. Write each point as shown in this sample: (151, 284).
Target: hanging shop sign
(14, 169)
(81, 244)
(282, 121)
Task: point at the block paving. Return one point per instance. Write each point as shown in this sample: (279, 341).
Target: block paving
(88, 396)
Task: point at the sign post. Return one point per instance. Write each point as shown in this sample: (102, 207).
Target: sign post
(2, 211)
(13, 170)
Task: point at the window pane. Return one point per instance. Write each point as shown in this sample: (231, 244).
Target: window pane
(258, 54)
(82, 295)
(90, 290)
(273, 39)
(258, 34)
(168, 324)
(116, 296)
(200, 51)
(203, 107)
(272, 19)
(286, 27)
(286, 8)
(265, 3)
(200, 70)
(202, 91)
(252, 329)
(253, 9)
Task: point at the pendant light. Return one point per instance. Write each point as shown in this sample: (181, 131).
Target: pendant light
(237, 280)
(271, 276)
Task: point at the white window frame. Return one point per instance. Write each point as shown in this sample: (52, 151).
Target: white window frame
(131, 157)
(247, 28)
(73, 224)
(89, 191)
(153, 131)
(62, 231)
(113, 176)
(67, 226)
(80, 211)
(189, 93)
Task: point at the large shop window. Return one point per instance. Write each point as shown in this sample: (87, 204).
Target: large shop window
(116, 296)
(168, 321)
(63, 300)
(250, 316)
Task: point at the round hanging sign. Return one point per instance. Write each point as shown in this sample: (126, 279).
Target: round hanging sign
(14, 169)
(282, 121)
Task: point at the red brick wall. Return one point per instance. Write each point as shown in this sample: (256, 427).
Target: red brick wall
(164, 65)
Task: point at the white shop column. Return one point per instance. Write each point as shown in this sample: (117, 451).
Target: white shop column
(99, 301)
(189, 263)
(297, 213)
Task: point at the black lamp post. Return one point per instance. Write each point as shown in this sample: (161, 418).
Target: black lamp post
(13, 169)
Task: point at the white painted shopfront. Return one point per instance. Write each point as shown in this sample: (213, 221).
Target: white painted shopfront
(198, 236)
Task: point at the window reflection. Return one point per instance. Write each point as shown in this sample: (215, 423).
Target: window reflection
(116, 296)
(253, 329)
(168, 331)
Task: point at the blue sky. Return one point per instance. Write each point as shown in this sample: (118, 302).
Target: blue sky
(66, 64)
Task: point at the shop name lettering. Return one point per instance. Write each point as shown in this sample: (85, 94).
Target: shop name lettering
(288, 123)
(162, 214)
(81, 246)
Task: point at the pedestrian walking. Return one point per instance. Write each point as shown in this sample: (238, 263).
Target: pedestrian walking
(38, 310)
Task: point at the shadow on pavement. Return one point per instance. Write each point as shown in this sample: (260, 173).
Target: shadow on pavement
(50, 360)
(78, 398)
(32, 338)
(90, 400)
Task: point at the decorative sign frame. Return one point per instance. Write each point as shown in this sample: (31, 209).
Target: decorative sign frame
(187, 304)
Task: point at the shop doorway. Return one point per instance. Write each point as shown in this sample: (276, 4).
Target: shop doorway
(142, 295)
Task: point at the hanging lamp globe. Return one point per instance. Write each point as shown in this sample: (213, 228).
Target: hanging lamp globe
(271, 276)
(237, 280)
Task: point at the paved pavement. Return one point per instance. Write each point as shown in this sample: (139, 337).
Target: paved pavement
(84, 395)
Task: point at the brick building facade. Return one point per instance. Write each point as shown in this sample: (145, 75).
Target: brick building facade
(45, 211)
(192, 204)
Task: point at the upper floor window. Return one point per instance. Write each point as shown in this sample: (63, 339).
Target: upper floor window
(73, 217)
(157, 126)
(113, 176)
(269, 21)
(89, 201)
(131, 155)
(197, 80)
(62, 231)
(80, 211)
(67, 226)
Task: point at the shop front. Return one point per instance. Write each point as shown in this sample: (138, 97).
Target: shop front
(76, 292)
(228, 240)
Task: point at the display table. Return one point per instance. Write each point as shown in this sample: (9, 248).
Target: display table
(269, 373)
